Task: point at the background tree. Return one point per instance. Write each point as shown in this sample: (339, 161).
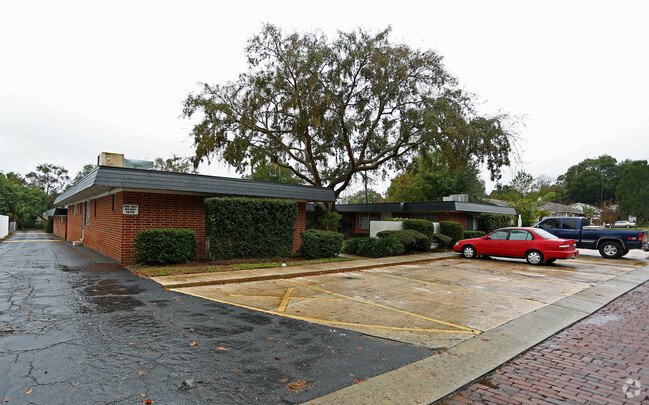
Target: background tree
(177, 164)
(21, 203)
(328, 110)
(273, 172)
(591, 181)
(50, 178)
(83, 172)
(609, 213)
(365, 196)
(526, 198)
(633, 190)
(429, 180)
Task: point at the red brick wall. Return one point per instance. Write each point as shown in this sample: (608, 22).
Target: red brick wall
(60, 226)
(112, 233)
(300, 225)
(462, 219)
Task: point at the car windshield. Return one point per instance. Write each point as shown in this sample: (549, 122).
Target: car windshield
(544, 234)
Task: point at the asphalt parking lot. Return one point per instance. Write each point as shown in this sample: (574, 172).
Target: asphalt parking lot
(436, 304)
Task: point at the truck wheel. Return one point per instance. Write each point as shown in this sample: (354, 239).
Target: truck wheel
(624, 253)
(469, 252)
(610, 250)
(534, 257)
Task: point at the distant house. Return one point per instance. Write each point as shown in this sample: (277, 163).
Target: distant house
(108, 207)
(356, 217)
(560, 210)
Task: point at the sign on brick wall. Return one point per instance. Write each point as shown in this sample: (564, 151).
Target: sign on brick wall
(130, 209)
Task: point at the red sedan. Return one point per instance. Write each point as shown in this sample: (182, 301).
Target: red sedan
(536, 245)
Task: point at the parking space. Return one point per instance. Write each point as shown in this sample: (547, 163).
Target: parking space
(435, 304)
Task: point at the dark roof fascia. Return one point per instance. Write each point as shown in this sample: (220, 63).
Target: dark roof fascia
(104, 178)
(426, 207)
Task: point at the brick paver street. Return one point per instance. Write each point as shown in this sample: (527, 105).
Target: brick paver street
(603, 359)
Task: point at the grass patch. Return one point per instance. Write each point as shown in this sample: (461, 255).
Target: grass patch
(232, 265)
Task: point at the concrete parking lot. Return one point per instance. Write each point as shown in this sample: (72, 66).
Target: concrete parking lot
(436, 304)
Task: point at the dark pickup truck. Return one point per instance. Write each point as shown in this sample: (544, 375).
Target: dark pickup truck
(611, 243)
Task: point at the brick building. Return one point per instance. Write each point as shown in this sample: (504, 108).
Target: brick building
(108, 207)
(356, 217)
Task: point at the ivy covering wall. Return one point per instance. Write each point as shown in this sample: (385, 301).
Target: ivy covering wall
(238, 227)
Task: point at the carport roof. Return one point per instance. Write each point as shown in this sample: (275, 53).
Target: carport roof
(106, 178)
(455, 206)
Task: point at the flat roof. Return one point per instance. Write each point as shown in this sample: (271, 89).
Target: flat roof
(103, 179)
(455, 206)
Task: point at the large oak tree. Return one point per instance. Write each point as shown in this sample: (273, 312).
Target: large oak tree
(329, 109)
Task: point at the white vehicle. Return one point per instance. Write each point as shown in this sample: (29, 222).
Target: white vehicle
(624, 224)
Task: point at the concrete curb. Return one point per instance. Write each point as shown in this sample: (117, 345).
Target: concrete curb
(437, 376)
(238, 276)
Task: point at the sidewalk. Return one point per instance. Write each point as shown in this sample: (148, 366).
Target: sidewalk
(224, 277)
(603, 359)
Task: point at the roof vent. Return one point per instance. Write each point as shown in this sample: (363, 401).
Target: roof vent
(457, 197)
(110, 159)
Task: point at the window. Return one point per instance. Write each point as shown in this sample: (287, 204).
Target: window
(569, 223)
(95, 201)
(499, 235)
(75, 209)
(519, 234)
(552, 223)
(114, 201)
(428, 216)
(365, 218)
(86, 212)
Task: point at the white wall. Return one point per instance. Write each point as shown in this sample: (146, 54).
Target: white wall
(378, 226)
(4, 226)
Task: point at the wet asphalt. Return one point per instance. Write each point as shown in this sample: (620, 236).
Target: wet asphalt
(76, 327)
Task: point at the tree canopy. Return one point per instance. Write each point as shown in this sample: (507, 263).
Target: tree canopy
(177, 164)
(633, 189)
(428, 180)
(273, 172)
(327, 110)
(365, 196)
(591, 181)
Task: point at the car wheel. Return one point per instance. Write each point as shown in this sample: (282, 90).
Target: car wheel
(469, 252)
(610, 250)
(534, 257)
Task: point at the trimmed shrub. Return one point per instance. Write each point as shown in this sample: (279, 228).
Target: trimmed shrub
(409, 238)
(373, 247)
(453, 230)
(473, 234)
(442, 241)
(239, 227)
(420, 225)
(383, 247)
(163, 246)
(488, 223)
(317, 243)
(49, 226)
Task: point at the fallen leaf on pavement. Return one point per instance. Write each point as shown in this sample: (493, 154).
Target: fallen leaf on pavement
(29, 391)
(360, 380)
(296, 386)
(193, 343)
(222, 348)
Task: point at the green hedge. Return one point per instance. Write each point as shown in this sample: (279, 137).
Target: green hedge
(373, 247)
(453, 230)
(442, 241)
(473, 234)
(317, 243)
(488, 223)
(167, 245)
(239, 227)
(420, 225)
(410, 239)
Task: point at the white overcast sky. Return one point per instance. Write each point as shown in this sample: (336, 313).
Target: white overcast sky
(81, 77)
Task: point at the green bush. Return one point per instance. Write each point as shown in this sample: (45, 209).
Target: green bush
(420, 225)
(167, 245)
(373, 247)
(473, 234)
(410, 239)
(488, 223)
(383, 247)
(442, 241)
(317, 243)
(239, 227)
(49, 226)
(453, 230)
